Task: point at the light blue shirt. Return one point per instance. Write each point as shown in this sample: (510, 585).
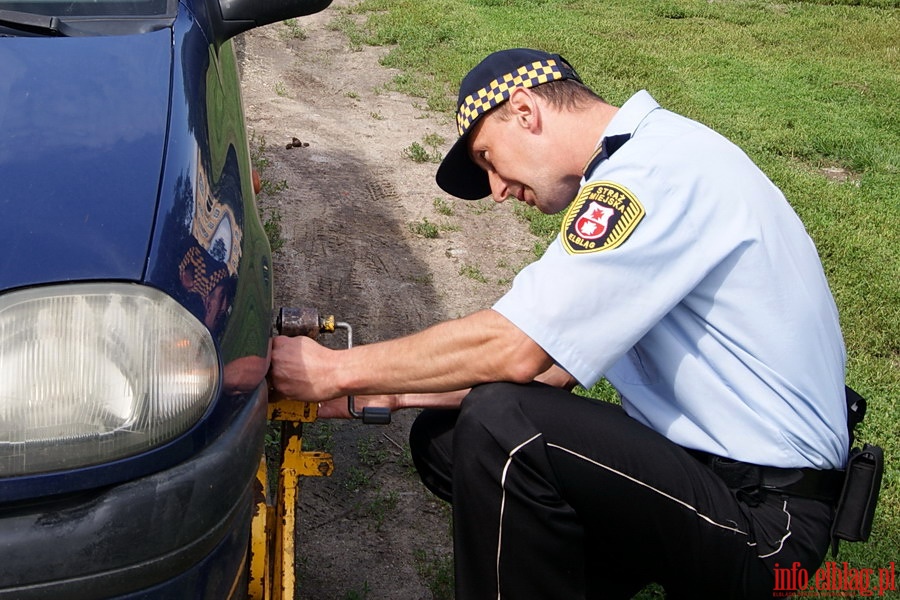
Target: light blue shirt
(712, 316)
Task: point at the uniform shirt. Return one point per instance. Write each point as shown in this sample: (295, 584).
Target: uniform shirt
(684, 277)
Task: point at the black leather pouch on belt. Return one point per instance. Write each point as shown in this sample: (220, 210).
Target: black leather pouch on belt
(856, 505)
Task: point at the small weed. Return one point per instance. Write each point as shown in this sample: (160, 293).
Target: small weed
(473, 272)
(419, 153)
(377, 116)
(273, 436)
(356, 36)
(426, 229)
(272, 227)
(271, 188)
(371, 453)
(294, 30)
(257, 152)
(352, 95)
(356, 479)
(504, 264)
(433, 140)
(443, 207)
(437, 572)
(406, 460)
(479, 207)
(281, 90)
(539, 247)
(416, 153)
(271, 218)
(359, 594)
(320, 435)
(272, 450)
(382, 506)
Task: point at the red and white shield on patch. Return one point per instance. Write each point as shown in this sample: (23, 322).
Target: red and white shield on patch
(594, 222)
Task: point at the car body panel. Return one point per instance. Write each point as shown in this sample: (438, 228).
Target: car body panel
(62, 122)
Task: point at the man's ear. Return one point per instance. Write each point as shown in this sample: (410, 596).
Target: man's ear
(524, 108)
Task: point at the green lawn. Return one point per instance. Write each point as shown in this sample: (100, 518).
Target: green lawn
(810, 90)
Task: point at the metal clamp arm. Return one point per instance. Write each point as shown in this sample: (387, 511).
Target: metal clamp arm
(370, 415)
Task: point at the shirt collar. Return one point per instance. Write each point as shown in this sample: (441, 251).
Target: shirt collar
(630, 115)
(621, 127)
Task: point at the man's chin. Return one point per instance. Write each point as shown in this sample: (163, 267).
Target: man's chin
(551, 209)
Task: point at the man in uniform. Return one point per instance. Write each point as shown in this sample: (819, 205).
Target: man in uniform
(683, 277)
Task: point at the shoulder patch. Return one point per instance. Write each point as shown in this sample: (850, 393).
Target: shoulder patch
(601, 217)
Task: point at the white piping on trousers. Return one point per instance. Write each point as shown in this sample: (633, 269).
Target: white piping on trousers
(683, 503)
(787, 533)
(633, 480)
(503, 503)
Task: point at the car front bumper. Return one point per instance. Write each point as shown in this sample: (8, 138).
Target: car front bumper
(178, 533)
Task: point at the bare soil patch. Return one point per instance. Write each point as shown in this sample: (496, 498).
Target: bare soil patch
(352, 207)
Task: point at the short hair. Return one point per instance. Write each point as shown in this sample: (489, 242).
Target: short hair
(563, 93)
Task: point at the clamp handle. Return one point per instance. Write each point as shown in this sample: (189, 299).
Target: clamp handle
(370, 415)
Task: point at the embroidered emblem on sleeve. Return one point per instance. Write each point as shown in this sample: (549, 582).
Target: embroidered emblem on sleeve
(601, 218)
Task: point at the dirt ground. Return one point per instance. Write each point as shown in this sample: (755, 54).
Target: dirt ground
(357, 219)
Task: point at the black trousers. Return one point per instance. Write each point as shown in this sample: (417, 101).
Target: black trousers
(559, 496)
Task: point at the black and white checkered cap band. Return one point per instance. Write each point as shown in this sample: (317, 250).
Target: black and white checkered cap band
(498, 90)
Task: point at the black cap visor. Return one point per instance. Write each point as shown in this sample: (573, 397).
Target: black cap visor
(459, 176)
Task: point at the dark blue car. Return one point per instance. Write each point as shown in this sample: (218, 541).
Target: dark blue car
(135, 299)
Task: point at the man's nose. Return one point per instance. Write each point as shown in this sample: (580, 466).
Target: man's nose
(499, 187)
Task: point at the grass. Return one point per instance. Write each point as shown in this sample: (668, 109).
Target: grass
(360, 594)
(808, 89)
(270, 216)
(425, 228)
(437, 571)
(419, 153)
(293, 30)
(443, 207)
(472, 272)
(350, 28)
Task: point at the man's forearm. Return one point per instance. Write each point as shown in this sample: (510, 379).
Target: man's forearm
(450, 356)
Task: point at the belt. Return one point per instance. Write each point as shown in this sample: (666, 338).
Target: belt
(816, 484)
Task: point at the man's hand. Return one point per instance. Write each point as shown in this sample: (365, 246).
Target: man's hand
(557, 377)
(300, 369)
(446, 357)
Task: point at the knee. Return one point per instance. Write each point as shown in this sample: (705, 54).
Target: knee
(488, 395)
(429, 427)
(488, 405)
(431, 446)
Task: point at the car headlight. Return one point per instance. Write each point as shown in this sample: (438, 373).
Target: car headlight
(93, 372)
